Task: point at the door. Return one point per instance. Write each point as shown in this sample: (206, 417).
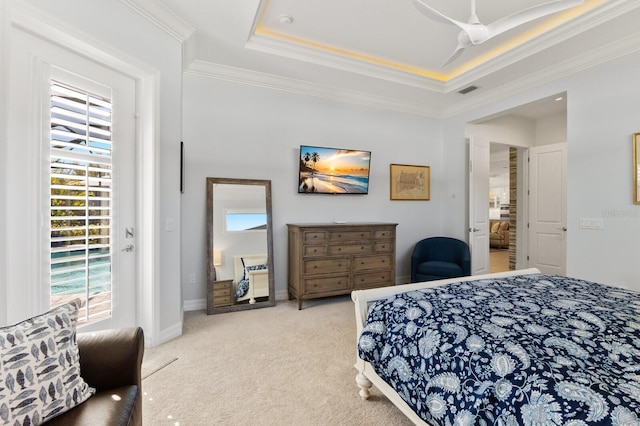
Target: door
(479, 163)
(80, 154)
(548, 208)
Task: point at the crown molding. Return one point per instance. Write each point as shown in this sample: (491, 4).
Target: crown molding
(292, 50)
(611, 51)
(163, 17)
(259, 79)
(610, 10)
(266, 44)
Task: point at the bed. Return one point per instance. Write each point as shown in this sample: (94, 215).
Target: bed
(502, 349)
(251, 277)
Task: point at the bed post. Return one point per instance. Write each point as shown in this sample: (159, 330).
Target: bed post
(364, 384)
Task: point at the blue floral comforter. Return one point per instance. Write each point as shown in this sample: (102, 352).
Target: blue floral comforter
(525, 350)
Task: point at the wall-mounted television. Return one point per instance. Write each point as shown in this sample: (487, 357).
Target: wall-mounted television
(333, 170)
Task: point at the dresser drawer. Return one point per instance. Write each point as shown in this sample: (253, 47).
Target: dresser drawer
(325, 266)
(383, 234)
(371, 279)
(310, 251)
(222, 291)
(349, 249)
(222, 300)
(350, 236)
(314, 237)
(372, 262)
(383, 247)
(326, 284)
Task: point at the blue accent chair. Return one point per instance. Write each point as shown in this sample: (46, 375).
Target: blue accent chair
(439, 258)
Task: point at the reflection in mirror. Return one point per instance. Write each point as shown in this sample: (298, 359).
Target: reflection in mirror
(636, 168)
(239, 245)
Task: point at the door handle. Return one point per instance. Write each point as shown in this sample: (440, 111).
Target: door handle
(128, 248)
(474, 229)
(564, 229)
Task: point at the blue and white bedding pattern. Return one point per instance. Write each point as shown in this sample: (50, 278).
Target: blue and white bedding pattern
(524, 350)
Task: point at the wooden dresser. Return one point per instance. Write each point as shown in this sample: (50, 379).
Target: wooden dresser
(331, 259)
(219, 293)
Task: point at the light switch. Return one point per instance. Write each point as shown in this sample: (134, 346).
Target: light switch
(591, 224)
(170, 224)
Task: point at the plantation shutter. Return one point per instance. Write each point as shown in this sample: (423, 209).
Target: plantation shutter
(81, 200)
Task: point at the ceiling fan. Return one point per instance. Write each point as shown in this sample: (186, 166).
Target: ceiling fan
(473, 32)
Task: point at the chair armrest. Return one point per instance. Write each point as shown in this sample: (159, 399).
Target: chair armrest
(111, 358)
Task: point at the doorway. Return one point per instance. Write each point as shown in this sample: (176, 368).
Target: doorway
(500, 196)
(516, 132)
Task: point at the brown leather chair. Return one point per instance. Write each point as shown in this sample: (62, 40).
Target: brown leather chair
(110, 362)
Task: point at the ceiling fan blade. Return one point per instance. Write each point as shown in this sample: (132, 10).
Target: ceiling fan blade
(430, 12)
(456, 53)
(519, 18)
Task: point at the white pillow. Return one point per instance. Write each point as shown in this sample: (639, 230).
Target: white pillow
(246, 262)
(40, 368)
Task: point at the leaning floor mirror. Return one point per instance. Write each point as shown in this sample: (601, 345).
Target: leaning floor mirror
(239, 245)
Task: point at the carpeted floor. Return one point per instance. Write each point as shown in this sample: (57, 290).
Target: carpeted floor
(272, 366)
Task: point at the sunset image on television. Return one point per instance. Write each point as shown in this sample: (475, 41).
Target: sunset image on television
(333, 171)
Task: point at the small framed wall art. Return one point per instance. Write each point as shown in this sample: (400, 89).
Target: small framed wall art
(409, 182)
(636, 168)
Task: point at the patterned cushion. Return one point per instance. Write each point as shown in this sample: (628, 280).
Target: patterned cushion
(39, 367)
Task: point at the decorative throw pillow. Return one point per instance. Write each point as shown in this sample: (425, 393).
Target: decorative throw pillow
(246, 262)
(495, 227)
(40, 368)
(504, 226)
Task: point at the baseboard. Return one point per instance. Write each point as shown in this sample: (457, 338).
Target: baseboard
(195, 305)
(281, 296)
(169, 334)
(405, 279)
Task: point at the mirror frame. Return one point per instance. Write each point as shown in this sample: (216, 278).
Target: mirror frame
(636, 172)
(211, 181)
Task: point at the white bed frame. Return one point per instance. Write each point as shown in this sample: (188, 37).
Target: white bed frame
(362, 299)
(258, 280)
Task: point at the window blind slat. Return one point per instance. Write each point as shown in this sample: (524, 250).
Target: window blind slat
(80, 192)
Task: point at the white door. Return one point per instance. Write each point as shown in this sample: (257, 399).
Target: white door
(548, 208)
(479, 163)
(77, 121)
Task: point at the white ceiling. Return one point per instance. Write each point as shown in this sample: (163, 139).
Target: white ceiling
(385, 53)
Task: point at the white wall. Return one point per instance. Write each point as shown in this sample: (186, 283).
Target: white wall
(240, 131)
(602, 114)
(116, 30)
(551, 129)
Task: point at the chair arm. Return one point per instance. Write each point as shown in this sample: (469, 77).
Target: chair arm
(111, 358)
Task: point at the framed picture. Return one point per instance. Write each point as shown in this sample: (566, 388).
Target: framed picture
(409, 182)
(636, 168)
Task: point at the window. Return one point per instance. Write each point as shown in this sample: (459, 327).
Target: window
(81, 200)
(245, 221)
